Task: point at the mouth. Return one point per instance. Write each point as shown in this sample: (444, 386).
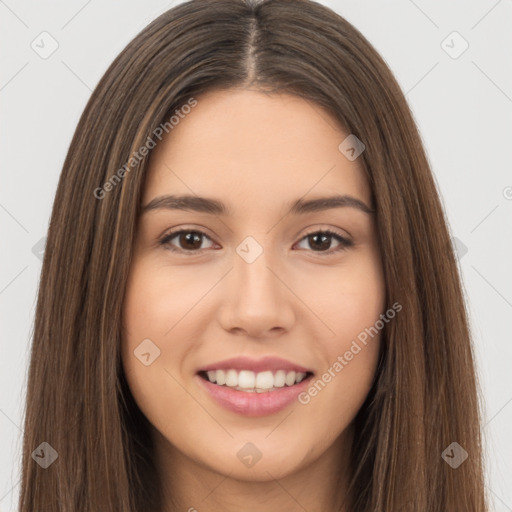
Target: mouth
(254, 388)
(248, 381)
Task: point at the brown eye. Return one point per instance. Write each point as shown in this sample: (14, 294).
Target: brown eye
(320, 241)
(190, 240)
(187, 240)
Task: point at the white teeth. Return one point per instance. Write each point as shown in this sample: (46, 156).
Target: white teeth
(246, 380)
(219, 377)
(232, 378)
(290, 378)
(300, 377)
(279, 379)
(264, 380)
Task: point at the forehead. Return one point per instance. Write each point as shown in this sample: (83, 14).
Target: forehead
(247, 147)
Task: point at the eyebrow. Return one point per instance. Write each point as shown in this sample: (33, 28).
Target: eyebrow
(216, 207)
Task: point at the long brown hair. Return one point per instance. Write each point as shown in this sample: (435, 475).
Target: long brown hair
(425, 392)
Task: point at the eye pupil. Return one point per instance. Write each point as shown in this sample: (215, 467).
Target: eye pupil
(190, 241)
(191, 237)
(325, 243)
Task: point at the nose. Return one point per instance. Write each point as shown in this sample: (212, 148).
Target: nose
(256, 301)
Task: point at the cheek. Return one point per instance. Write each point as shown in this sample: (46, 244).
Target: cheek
(155, 302)
(146, 318)
(347, 300)
(351, 307)
(159, 306)
(151, 361)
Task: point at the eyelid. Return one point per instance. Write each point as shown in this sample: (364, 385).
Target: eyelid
(344, 241)
(332, 231)
(166, 238)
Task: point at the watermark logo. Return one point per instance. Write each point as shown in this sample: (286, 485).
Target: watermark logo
(45, 455)
(140, 154)
(39, 248)
(351, 147)
(249, 454)
(146, 352)
(343, 360)
(45, 45)
(249, 250)
(454, 455)
(454, 45)
(461, 248)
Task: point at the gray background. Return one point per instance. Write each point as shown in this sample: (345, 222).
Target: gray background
(463, 107)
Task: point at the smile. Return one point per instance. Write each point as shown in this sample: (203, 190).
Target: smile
(254, 382)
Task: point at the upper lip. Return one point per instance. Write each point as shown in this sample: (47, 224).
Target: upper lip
(256, 365)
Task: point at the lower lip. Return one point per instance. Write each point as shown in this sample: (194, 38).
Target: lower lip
(254, 404)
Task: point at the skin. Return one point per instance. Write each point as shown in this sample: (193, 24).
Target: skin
(256, 153)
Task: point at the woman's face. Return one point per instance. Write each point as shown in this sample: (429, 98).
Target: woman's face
(253, 291)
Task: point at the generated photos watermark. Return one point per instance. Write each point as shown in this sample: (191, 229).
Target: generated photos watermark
(138, 156)
(344, 359)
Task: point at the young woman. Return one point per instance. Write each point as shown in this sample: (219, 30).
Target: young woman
(249, 299)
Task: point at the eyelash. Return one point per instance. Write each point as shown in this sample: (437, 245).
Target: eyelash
(344, 243)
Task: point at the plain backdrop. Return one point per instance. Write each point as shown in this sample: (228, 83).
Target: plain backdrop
(461, 99)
